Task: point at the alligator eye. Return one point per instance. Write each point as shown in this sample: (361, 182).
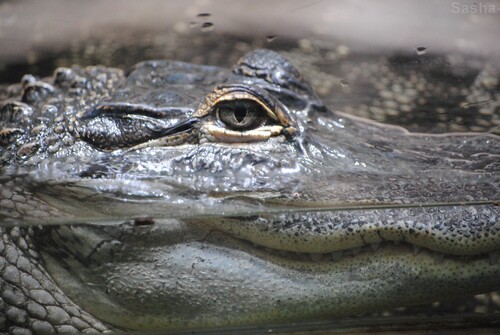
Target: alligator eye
(237, 113)
(241, 114)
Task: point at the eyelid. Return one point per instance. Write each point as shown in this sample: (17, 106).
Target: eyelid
(246, 96)
(272, 107)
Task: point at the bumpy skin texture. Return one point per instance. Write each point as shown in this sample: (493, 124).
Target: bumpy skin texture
(57, 137)
(31, 302)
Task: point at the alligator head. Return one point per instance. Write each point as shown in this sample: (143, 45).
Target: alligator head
(219, 197)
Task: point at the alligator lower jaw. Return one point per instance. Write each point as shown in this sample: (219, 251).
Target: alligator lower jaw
(220, 281)
(278, 287)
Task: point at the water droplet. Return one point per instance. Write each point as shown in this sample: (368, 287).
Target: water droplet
(204, 15)
(344, 83)
(421, 51)
(270, 38)
(207, 26)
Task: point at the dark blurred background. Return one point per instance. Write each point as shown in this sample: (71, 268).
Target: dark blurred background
(32, 32)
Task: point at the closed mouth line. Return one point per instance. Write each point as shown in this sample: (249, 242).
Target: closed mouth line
(338, 255)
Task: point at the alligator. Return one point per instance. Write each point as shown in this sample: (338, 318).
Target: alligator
(180, 196)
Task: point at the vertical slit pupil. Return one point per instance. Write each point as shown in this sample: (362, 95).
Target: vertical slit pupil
(240, 113)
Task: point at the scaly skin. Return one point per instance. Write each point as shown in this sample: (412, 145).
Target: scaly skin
(190, 222)
(30, 298)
